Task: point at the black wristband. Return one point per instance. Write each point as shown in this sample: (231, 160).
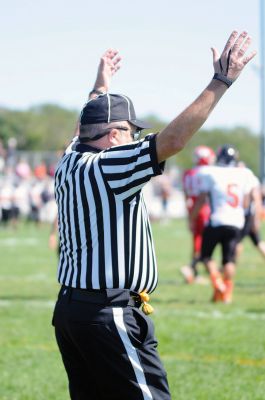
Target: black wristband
(222, 78)
(96, 91)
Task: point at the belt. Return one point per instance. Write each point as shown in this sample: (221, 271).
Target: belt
(106, 297)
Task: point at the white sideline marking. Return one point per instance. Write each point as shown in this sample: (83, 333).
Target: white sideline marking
(29, 278)
(216, 314)
(5, 303)
(19, 242)
(28, 303)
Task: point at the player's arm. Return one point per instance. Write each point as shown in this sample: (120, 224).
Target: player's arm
(246, 200)
(187, 201)
(201, 200)
(228, 67)
(257, 200)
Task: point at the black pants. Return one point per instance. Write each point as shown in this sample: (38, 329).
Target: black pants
(249, 230)
(226, 236)
(108, 349)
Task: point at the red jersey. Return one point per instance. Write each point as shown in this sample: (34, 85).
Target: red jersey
(191, 187)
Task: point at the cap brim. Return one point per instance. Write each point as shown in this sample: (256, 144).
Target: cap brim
(140, 124)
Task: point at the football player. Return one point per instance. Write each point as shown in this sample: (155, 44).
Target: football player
(228, 188)
(202, 156)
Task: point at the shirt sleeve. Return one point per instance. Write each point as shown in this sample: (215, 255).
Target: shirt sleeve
(127, 168)
(203, 180)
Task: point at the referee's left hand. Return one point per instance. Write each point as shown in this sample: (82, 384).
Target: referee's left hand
(108, 66)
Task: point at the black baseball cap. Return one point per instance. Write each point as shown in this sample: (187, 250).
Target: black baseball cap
(110, 108)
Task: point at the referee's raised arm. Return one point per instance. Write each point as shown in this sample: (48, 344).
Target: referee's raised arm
(227, 68)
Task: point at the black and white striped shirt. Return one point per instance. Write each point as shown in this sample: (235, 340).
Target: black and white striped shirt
(104, 229)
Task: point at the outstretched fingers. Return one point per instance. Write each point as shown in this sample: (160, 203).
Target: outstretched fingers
(239, 42)
(116, 61)
(249, 57)
(111, 60)
(111, 56)
(110, 53)
(230, 42)
(240, 47)
(244, 46)
(114, 64)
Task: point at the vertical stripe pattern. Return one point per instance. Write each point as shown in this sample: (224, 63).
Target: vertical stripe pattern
(104, 229)
(132, 353)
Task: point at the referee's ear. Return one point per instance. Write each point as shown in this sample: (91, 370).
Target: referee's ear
(114, 137)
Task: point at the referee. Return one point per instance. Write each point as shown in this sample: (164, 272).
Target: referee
(107, 263)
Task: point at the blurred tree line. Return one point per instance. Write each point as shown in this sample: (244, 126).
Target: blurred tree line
(50, 127)
(241, 138)
(43, 127)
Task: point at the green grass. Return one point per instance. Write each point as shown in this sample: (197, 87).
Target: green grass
(210, 351)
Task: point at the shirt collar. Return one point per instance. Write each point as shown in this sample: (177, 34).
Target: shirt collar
(86, 148)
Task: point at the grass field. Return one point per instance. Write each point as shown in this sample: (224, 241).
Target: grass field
(210, 351)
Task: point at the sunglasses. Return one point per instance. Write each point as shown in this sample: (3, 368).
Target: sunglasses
(134, 135)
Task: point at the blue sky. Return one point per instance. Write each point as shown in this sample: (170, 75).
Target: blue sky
(50, 51)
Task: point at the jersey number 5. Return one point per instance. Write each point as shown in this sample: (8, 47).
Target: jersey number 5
(232, 196)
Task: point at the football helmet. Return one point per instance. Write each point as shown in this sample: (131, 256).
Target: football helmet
(203, 155)
(227, 155)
